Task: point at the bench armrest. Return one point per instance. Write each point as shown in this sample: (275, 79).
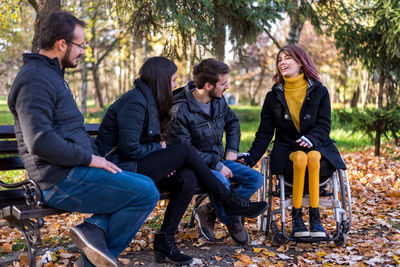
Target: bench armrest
(33, 194)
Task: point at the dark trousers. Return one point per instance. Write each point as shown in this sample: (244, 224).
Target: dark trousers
(190, 171)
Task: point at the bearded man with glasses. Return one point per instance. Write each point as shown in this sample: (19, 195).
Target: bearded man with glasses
(59, 155)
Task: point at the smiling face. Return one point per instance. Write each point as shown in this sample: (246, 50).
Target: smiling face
(74, 51)
(220, 87)
(287, 66)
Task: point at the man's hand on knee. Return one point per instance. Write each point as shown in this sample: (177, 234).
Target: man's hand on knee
(226, 172)
(102, 163)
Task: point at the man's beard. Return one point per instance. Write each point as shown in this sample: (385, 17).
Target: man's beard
(66, 62)
(213, 94)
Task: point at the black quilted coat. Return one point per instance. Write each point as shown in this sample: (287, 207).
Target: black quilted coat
(130, 129)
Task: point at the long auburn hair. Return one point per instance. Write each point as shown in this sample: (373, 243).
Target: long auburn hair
(301, 57)
(156, 72)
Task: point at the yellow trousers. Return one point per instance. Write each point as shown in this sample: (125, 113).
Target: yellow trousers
(301, 161)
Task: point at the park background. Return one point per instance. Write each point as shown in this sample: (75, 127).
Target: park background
(355, 45)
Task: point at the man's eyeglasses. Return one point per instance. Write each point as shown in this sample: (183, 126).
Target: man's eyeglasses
(81, 46)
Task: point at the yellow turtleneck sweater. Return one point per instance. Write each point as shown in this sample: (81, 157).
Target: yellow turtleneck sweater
(295, 92)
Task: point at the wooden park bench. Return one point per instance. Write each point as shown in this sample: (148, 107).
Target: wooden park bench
(21, 204)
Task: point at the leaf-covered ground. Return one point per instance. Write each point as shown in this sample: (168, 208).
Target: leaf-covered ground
(374, 239)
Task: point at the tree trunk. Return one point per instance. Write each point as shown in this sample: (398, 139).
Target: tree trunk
(188, 61)
(296, 24)
(220, 38)
(45, 7)
(377, 151)
(354, 99)
(84, 74)
(134, 47)
(96, 80)
(364, 88)
(129, 69)
(381, 87)
(144, 48)
(120, 82)
(260, 84)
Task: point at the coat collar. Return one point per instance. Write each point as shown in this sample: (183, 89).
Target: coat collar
(278, 88)
(193, 103)
(53, 63)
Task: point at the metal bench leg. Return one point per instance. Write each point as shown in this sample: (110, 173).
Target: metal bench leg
(30, 229)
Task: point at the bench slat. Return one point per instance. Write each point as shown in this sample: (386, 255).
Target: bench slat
(8, 147)
(7, 131)
(11, 163)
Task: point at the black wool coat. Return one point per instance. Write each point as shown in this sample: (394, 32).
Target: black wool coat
(315, 124)
(130, 129)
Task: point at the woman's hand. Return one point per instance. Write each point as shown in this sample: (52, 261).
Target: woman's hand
(172, 173)
(302, 143)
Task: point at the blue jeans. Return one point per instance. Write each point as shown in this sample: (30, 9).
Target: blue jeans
(120, 202)
(249, 181)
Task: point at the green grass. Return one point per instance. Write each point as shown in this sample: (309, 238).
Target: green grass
(6, 117)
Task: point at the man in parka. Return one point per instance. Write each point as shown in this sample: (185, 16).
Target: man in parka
(200, 115)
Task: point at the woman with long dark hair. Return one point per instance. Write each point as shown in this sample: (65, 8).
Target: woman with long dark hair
(297, 110)
(133, 136)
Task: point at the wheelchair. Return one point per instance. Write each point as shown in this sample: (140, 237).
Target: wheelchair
(334, 193)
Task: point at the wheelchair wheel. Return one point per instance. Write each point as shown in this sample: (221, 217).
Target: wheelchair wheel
(269, 212)
(277, 237)
(342, 240)
(342, 191)
(345, 195)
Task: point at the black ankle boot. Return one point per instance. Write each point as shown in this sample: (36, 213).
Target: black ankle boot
(236, 205)
(299, 228)
(166, 250)
(316, 229)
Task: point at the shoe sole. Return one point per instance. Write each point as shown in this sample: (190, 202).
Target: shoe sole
(318, 234)
(302, 234)
(196, 217)
(94, 255)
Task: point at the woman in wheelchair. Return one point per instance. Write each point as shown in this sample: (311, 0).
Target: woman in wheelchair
(297, 110)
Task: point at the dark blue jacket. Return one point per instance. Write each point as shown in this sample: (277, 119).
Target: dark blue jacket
(130, 129)
(315, 124)
(48, 124)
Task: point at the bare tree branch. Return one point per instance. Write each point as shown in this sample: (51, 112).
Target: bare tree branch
(108, 50)
(273, 39)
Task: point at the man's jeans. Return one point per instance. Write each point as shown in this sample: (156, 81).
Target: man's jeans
(249, 181)
(120, 202)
